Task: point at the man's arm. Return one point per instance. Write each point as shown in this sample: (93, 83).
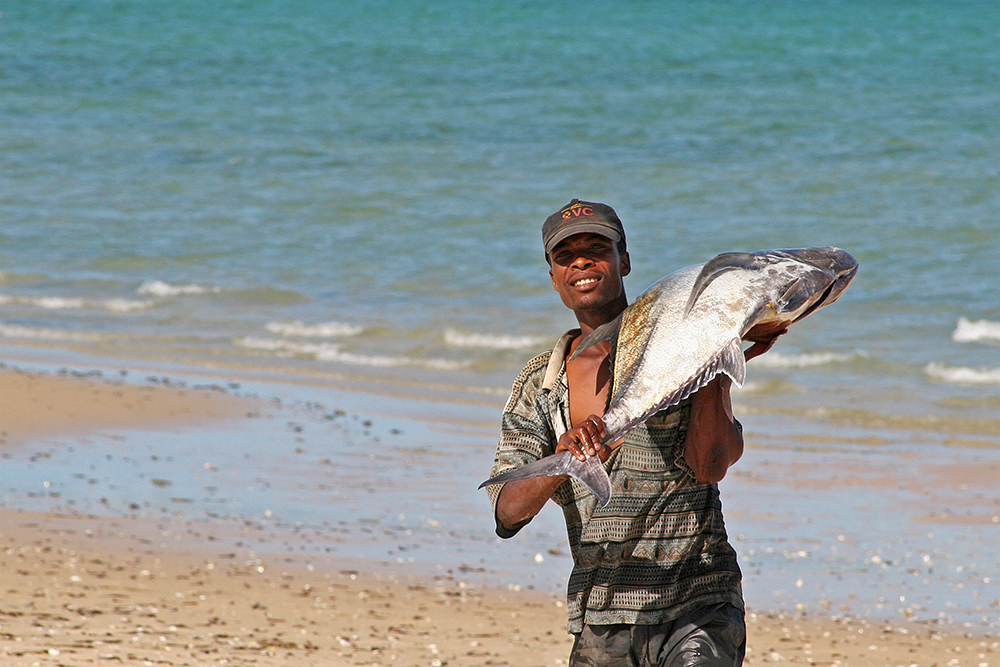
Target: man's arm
(522, 499)
(715, 438)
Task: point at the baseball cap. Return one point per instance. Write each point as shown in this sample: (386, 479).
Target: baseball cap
(578, 217)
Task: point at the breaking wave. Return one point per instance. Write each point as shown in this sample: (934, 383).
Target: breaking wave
(332, 353)
(458, 339)
(962, 374)
(967, 331)
(161, 289)
(778, 360)
(73, 303)
(322, 330)
(38, 333)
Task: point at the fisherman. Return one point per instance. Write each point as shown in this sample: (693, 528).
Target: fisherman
(654, 581)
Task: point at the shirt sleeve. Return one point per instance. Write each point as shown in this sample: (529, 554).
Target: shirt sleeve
(526, 434)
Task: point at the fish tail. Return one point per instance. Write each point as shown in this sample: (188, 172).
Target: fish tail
(591, 473)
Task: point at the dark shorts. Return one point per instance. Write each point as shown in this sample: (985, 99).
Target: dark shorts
(713, 636)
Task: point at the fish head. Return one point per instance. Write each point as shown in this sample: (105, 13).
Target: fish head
(801, 281)
(786, 285)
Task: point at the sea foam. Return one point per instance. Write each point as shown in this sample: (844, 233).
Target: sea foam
(39, 333)
(74, 303)
(125, 305)
(779, 360)
(332, 353)
(967, 331)
(162, 289)
(962, 374)
(322, 330)
(496, 342)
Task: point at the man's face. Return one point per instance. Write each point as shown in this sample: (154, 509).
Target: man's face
(587, 271)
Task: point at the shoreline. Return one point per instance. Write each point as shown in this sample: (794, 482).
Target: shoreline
(78, 594)
(90, 591)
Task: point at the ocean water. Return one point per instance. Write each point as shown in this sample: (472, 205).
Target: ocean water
(351, 194)
(355, 192)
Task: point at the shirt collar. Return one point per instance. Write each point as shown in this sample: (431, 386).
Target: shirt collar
(558, 359)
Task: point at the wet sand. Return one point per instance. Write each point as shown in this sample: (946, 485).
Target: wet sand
(79, 589)
(36, 405)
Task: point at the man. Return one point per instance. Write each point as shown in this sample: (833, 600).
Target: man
(654, 581)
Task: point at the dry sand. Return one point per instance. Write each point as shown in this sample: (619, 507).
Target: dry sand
(80, 590)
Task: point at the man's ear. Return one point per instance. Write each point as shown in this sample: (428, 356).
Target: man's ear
(553, 279)
(626, 263)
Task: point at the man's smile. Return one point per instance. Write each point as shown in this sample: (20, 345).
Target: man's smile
(585, 282)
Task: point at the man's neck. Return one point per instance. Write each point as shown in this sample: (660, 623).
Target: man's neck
(591, 319)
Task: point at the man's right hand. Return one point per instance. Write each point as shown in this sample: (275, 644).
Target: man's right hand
(585, 439)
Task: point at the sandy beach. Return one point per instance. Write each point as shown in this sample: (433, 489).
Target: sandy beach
(81, 589)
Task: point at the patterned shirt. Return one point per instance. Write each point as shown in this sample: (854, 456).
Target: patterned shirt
(659, 548)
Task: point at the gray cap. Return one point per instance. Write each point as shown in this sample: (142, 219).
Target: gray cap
(579, 217)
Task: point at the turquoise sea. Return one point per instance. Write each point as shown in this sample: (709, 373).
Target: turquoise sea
(350, 196)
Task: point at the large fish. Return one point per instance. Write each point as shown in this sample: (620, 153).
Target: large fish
(687, 328)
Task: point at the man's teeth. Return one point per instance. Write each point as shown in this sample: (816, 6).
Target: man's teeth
(585, 281)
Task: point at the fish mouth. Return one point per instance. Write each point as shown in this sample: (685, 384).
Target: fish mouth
(818, 303)
(832, 292)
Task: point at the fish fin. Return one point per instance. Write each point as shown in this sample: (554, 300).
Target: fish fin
(590, 472)
(723, 263)
(607, 331)
(730, 360)
(793, 291)
(733, 362)
(593, 475)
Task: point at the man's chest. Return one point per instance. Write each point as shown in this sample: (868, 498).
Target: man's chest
(588, 378)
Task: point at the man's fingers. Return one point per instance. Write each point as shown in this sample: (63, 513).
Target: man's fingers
(584, 439)
(596, 430)
(598, 423)
(592, 431)
(568, 443)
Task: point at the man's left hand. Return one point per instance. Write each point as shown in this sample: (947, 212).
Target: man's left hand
(763, 337)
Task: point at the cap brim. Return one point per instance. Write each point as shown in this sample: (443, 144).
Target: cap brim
(604, 230)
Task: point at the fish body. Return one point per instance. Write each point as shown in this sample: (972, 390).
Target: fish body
(684, 330)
